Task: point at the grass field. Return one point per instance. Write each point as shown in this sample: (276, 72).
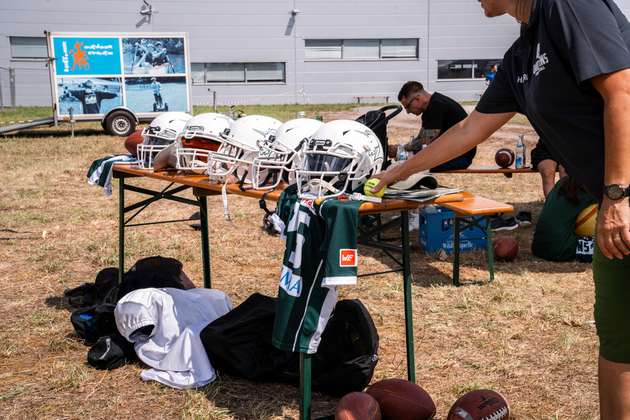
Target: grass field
(528, 335)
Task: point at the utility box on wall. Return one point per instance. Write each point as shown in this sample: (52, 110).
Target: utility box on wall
(436, 231)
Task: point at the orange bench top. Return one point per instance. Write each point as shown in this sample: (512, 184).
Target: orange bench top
(465, 204)
(490, 170)
(474, 205)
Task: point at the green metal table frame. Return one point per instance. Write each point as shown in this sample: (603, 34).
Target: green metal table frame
(369, 237)
(461, 223)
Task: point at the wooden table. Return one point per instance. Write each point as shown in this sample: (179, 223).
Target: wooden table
(508, 172)
(202, 188)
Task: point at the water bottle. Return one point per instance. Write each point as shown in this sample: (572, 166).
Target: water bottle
(401, 153)
(519, 162)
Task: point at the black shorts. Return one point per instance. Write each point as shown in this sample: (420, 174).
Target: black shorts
(540, 153)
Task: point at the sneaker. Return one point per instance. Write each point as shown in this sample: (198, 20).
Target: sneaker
(500, 223)
(524, 218)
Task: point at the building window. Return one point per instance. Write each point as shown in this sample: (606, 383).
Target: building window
(360, 49)
(465, 69)
(25, 47)
(206, 73)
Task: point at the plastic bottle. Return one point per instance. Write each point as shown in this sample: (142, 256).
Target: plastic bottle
(401, 153)
(519, 161)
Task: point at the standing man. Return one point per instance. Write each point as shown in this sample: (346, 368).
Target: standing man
(439, 113)
(569, 73)
(90, 97)
(156, 87)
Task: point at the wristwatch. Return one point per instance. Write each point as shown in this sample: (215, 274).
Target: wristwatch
(616, 191)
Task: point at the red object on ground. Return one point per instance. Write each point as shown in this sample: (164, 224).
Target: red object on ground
(505, 248)
(402, 400)
(132, 141)
(478, 405)
(504, 157)
(358, 406)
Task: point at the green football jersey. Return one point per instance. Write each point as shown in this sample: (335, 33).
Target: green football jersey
(320, 254)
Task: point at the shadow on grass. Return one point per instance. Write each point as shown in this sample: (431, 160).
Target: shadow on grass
(31, 134)
(473, 264)
(256, 400)
(58, 302)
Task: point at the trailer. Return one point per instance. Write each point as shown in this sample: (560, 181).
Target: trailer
(119, 79)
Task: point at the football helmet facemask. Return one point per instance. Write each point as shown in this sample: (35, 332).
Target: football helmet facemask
(201, 136)
(336, 159)
(239, 147)
(275, 157)
(161, 132)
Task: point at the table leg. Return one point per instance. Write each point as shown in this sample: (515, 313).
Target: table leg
(205, 242)
(121, 228)
(404, 227)
(490, 249)
(456, 234)
(305, 386)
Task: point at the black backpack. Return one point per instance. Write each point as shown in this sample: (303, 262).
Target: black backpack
(348, 352)
(239, 343)
(94, 322)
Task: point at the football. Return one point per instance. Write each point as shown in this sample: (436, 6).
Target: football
(132, 142)
(402, 400)
(504, 157)
(586, 221)
(357, 406)
(505, 248)
(479, 405)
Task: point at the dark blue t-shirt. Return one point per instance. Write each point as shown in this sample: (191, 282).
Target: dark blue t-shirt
(546, 74)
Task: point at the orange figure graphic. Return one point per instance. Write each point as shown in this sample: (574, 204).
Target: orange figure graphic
(79, 57)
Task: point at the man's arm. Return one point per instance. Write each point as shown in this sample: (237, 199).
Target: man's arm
(613, 224)
(456, 141)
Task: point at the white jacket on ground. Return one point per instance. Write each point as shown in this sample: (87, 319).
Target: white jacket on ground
(173, 348)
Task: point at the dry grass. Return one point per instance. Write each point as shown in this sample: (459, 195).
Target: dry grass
(528, 335)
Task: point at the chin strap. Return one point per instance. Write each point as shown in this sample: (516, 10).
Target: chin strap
(226, 210)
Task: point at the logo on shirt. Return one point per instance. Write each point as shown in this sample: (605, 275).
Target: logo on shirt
(541, 61)
(348, 258)
(290, 283)
(522, 78)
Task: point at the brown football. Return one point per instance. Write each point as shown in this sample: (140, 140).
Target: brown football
(479, 405)
(402, 400)
(505, 248)
(132, 142)
(504, 157)
(358, 406)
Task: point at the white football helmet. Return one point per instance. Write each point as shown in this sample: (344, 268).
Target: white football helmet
(274, 161)
(201, 136)
(337, 158)
(239, 146)
(161, 132)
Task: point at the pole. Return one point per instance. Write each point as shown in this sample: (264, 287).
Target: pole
(404, 227)
(12, 85)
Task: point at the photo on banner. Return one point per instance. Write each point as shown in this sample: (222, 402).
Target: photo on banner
(153, 56)
(94, 95)
(157, 94)
(86, 56)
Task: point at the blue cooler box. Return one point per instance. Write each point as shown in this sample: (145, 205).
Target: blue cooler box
(436, 231)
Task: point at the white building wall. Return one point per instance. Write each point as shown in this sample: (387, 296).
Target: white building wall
(266, 31)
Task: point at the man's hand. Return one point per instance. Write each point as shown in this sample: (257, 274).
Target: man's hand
(613, 228)
(386, 179)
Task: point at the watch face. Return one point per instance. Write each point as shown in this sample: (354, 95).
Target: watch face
(614, 192)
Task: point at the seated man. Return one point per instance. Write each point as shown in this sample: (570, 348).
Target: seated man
(546, 165)
(554, 237)
(439, 113)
